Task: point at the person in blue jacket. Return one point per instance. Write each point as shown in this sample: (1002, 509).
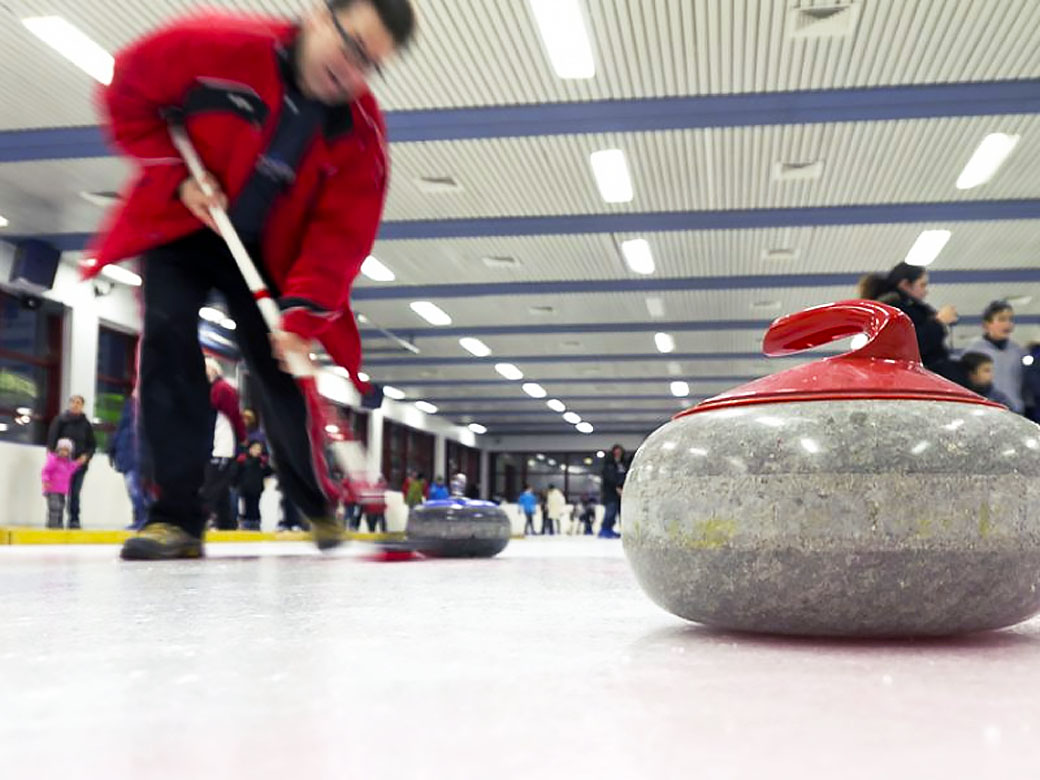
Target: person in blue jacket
(125, 458)
(438, 490)
(528, 502)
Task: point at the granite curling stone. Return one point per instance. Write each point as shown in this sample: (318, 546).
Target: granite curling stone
(855, 496)
(458, 528)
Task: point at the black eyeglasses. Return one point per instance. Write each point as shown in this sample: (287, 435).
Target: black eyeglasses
(353, 46)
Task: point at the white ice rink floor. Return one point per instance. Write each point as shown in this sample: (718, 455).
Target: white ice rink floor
(270, 661)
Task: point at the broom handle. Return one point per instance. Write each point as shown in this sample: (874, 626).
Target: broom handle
(299, 365)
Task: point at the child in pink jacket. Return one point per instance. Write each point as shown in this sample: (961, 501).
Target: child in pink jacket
(57, 475)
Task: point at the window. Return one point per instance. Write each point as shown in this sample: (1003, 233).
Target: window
(116, 373)
(466, 460)
(30, 366)
(577, 474)
(406, 449)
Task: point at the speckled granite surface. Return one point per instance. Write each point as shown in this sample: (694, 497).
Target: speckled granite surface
(458, 529)
(854, 518)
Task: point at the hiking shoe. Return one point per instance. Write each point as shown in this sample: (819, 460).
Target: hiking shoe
(326, 531)
(161, 542)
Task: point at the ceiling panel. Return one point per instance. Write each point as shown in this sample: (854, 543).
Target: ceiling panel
(487, 52)
(714, 169)
(696, 170)
(700, 305)
(831, 249)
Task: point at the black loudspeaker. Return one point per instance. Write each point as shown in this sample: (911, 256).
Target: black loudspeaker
(35, 263)
(374, 398)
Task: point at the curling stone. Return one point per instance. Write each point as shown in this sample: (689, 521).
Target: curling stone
(458, 528)
(857, 496)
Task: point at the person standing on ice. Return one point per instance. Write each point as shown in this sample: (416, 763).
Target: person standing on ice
(57, 474)
(73, 425)
(295, 146)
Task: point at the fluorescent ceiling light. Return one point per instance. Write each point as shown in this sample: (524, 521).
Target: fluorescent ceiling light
(426, 406)
(122, 275)
(680, 389)
(986, 160)
(3, 222)
(655, 306)
(477, 428)
(362, 376)
(430, 312)
(572, 418)
(927, 247)
(612, 177)
(228, 323)
(534, 390)
(556, 405)
(392, 392)
(475, 347)
(584, 427)
(561, 26)
(72, 44)
(638, 256)
(509, 371)
(664, 342)
(376, 271)
(209, 314)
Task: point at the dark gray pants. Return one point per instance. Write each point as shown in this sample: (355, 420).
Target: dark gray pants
(74, 487)
(55, 510)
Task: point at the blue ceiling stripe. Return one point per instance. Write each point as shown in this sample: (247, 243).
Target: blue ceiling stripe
(575, 381)
(636, 427)
(598, 358)
(574, 327)
(679, 113)
(570, 399)
(675, 284)
(733, 219)
(53, 143)
(652, 326)
(674, 221)
(487, 417)
(672, 113)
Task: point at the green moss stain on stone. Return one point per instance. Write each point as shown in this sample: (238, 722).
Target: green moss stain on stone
(985, 521)
(923, 527)
(711, 534)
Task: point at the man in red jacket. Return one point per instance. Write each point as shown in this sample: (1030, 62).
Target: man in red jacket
(294, 144)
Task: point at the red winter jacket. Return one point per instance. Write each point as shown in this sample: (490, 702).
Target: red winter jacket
(222, 74)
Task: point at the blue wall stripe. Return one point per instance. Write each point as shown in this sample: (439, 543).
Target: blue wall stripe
(604, 358)
(674, 113)
(652, 326)
(674, 221)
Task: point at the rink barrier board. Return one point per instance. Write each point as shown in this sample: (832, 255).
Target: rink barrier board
(29, 535)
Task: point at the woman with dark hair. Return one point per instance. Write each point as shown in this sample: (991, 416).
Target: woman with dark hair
(906, 287)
